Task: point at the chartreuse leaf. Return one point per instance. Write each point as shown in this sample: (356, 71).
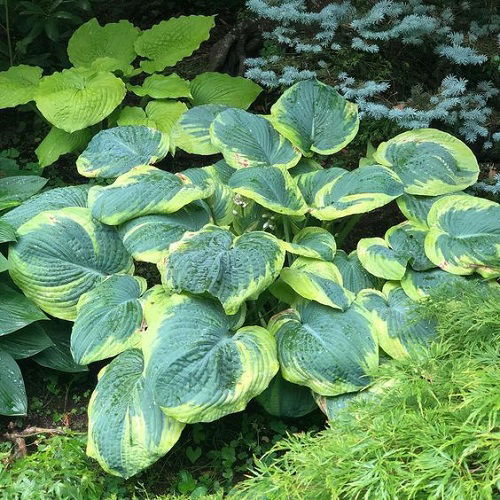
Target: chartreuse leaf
(16, 310)
(354, 276)
(19, 85)
(118, 150)
(62, 254)
(464, 236)
(26, 342)
(286, 400)
(18, 188)
(143, 190)
(167, 42)
(7, 232)
(248, 140)
(315, 118)
(58, 142)
(13, 400)
(400, 332)
(127, 430)
(104, 48)
(192, 132)
(163, 87)
(108, 318)
(219, 88)
(201, 365)
(53, 199)
(230, 268)
(313, 242)
(146, 238)
(378, 258)
(328, 350)
(272, 187)
(429, 162)
(318, 280)
(418, 285)
(76, 98)
(354, 192)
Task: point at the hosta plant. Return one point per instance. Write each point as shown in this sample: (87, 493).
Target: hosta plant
(115, 66)
(254, 298)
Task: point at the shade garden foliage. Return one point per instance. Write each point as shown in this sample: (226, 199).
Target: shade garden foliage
(254, 296)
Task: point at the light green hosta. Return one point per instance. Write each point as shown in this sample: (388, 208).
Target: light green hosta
(254, 299)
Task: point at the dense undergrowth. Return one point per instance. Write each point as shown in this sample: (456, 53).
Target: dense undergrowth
(434, 434)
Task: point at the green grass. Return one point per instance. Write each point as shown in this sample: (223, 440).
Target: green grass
(435, 433)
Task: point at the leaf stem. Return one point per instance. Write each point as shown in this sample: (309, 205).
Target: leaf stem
(347, 228)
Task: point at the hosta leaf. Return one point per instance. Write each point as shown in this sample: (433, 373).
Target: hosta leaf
(313, 242)
(378, 258)
(162, 87)
(355, 192)
(286, 400)
(400, 332)
(328, 350)
(146, 238)
(118, 150)
(219, 88)
(16, 310)
(53, 199)
(127, 431)
(58, 142)
(420, 284)
(58, 357)
(305, 166)
(143, 190)
(311, 183)
(104, 48)
(19, 85)
(249, 216)
(271, 187)
(62, 254)
(167, 42)
(315, 118)
(354, 276)
(26, 342)
(318, 280)
(407, 240)
(464, 236)
(4, 263)
(231, 269)
(13, 400)
(201, 366)
(247, 140)
(108, 318)
(7, 232)
(192, 132)
(429, 162)
(18, 188)
(77, 98)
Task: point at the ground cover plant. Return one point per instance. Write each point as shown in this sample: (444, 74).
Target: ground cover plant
(251, 278)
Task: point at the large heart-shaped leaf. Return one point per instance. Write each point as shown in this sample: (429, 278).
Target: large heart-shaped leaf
(318, 280)
(230, 268)
(18, 188)
(314, 242)
(354, 192)
(146, 238)
(271, 187)
(354, 276)
(464, 236)
(127, 431)
(248, 140)
(108, 317)
(201, 365)
(104, 48)
(13, 400)
(76, 98)
(26, 342)
(62, 254)
(118, 150)
(19, 85)
(7, 232)
(315, 118)
(162, 87)
(378, 258)
(144, 190)
(58, 142)
(418, 285)
(219, 88)
(167, 42)
(53, 199)
(328, 350)
(429, 162)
